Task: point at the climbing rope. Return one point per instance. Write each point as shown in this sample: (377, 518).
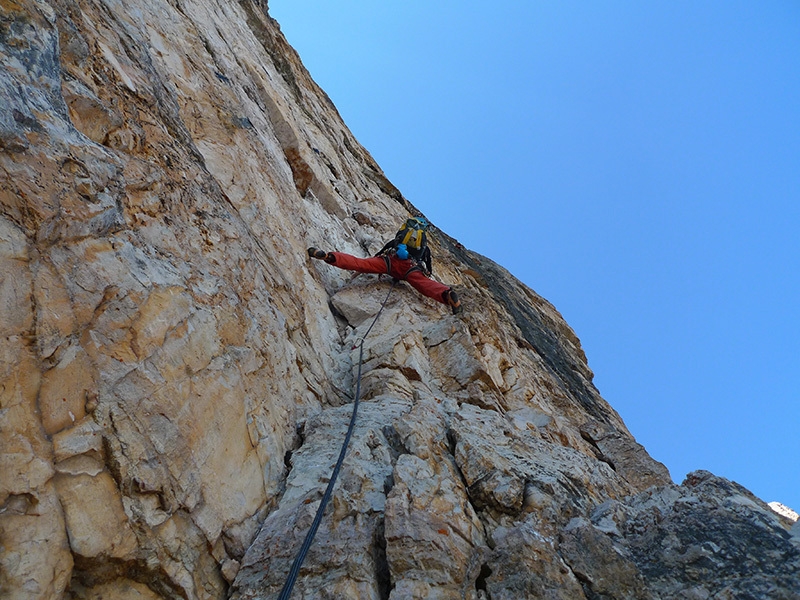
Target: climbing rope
(301, 555)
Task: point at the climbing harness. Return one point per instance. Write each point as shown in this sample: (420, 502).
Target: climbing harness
(415, 267)
(301, 555)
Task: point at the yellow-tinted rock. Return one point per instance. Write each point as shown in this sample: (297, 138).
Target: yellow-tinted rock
(35, 560)
(161, 312)
(174, 365)
(64, 390)
(121, 589)
(96, 521)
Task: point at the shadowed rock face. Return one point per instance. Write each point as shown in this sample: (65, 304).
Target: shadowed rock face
(176, 376)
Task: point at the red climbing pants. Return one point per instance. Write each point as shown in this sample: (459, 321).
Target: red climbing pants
(399, 269)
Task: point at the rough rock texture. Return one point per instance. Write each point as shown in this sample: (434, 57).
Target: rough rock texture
(708, 538)
(176, 376)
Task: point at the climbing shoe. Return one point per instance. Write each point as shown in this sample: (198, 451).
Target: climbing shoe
(321, 255)
(452, 300)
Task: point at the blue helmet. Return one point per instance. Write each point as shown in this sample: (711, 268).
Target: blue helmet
(423, 222)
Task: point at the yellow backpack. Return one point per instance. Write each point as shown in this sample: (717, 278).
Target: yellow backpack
(411, 241)
(413, 235)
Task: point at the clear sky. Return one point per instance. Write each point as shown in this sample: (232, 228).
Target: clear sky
(635, 163)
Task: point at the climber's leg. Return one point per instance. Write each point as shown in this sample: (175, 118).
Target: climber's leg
(428, 287)
(375, 264)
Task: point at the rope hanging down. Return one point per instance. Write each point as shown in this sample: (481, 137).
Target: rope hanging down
(301, 555)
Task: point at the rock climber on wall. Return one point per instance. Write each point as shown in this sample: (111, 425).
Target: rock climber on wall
(406, 257)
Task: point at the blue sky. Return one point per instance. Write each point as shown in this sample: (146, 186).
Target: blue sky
(635, 163)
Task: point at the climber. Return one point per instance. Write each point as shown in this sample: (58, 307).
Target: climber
(406, 257)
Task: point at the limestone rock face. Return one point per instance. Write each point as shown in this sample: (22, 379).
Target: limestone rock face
(707, 538)
(176, 375)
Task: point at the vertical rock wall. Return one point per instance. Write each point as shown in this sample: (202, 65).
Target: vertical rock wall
(176, 376)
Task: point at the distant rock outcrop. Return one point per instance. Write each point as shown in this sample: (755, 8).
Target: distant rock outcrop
(784, 511)
(176, 376)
